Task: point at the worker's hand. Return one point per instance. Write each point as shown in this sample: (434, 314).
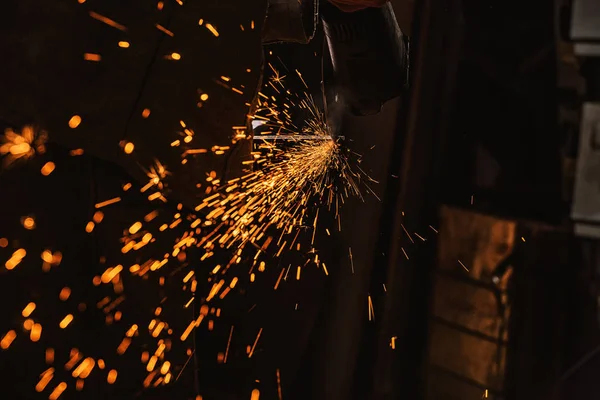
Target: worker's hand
(355, 5)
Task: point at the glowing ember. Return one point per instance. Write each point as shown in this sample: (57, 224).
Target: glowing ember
(16, 146)
(74, 121)
(48, 168)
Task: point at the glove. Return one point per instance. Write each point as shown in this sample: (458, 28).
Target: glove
(356, 5)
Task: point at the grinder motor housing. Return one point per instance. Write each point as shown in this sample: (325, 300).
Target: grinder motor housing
(368, 51)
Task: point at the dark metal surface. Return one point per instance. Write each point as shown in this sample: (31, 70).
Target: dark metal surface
(411, 205)
(335, 364)
(470, 313)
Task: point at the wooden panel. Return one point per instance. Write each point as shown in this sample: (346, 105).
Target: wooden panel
(475, 359)
(442, 386)
(471, 311)
(478, 241)
(468, 305)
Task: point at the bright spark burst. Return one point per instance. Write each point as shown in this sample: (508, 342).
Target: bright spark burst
(286, 186)
(156, 173)
(277, 200)
(22, 146)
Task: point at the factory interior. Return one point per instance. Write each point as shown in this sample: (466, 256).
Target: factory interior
(300, 199)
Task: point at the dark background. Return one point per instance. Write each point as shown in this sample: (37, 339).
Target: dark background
(474, 147)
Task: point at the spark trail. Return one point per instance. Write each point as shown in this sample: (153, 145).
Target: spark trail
(256, 217)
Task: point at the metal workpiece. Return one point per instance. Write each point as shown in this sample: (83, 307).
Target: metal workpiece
(585, 33)
(584, 22)
(369, 55)
(586, 201)
(585, 28)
